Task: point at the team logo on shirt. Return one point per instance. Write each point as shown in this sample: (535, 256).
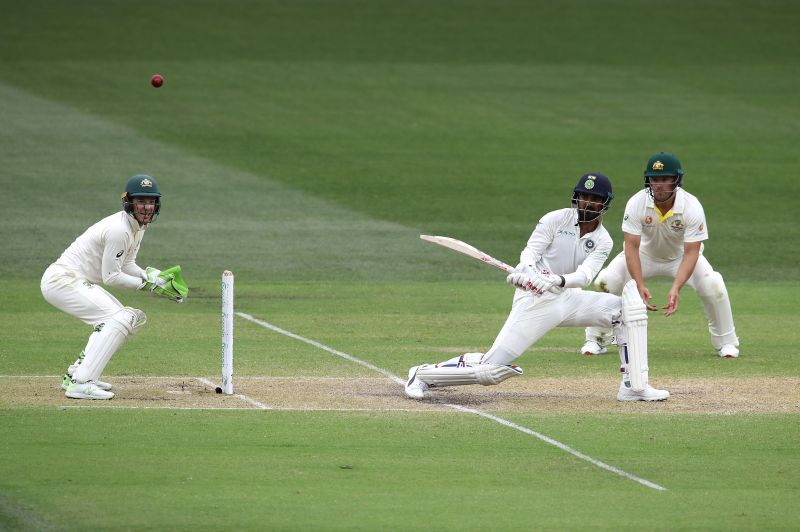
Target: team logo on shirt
(589, 244)
(658, 166)
(677, 225)
(146, 183)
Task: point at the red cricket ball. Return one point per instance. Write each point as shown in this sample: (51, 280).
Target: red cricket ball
(157, 80)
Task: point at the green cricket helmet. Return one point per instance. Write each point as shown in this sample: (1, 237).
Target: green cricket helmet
(663, 164)
(141, 186)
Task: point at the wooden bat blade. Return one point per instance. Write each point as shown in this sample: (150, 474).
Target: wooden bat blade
(466, 249)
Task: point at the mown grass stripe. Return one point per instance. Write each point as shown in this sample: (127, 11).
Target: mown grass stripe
(504, 422)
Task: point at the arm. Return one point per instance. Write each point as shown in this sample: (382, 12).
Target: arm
(588, 269)
(114, 251)
(131, 268)
(691, 252)
(634, 264)
(541, 237)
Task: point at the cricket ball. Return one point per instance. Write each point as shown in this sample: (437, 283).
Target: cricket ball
(218, 389)
(157, 80)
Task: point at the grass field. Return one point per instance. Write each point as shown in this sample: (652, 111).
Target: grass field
(305, 145)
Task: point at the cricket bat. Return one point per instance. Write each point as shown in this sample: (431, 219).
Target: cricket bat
(466, 249)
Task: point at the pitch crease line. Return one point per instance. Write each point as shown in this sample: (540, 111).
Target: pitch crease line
(505, 422)
(243, 397)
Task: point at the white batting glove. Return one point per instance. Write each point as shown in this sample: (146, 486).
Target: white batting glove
(544, 281)
(519, 280)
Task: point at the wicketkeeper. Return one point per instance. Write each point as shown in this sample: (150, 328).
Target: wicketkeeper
(106, 253)
(566, 250)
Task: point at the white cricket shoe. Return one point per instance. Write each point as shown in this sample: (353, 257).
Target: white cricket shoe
(729, 351)
(86, 390)
(649, 394)
(415, 388)
(67, 380)
(593, 348)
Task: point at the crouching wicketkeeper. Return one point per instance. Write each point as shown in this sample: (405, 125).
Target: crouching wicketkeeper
(106, 253)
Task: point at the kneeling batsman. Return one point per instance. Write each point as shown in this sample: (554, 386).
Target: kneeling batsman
(105, 254)
(566, 250)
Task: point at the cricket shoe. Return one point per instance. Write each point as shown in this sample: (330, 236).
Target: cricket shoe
(593, 348)
(86, 390)
(729, 351)
(67, 380)
(415, 388)
(649, 394)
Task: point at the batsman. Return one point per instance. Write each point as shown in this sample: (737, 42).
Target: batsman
(106, 254)
(567, 249)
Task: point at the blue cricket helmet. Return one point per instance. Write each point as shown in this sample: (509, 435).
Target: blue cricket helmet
(594, 185)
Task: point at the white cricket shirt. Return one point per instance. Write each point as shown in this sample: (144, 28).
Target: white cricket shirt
(556, 246)
(663, 237)
(106, 252)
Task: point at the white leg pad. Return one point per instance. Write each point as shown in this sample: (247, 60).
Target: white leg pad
(112, 334)
(458, 375)
(633, 348)
(712, 292)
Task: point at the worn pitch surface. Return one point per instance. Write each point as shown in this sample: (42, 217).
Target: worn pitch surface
(545, 395)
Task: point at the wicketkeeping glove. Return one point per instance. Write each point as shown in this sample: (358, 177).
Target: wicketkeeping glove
(168, 283)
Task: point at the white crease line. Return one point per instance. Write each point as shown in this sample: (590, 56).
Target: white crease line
(497, 419)
(324, 347)
(243, 397)
(248, 409)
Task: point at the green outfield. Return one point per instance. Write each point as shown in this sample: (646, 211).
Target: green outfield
(305, 146)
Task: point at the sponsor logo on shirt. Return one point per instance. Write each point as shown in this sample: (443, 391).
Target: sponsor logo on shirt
(702, 227)
(648, 220)
(565, 232)
(120, 253)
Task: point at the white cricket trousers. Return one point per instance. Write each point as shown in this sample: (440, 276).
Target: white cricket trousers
(707, 283)
(87, 301)
(532, 317)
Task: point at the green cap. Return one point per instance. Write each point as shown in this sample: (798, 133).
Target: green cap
(663, 164)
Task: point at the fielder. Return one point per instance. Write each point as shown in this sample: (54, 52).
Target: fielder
(106, 253)
(664, 228)
(566, 250)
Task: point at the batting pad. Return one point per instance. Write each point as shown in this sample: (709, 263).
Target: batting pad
(634, 351)
(455, 375)
(106, 341)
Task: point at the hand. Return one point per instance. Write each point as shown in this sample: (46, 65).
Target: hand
(646, 297)
(152, 279)
(168, 283)
(672, 302)
(544, 281)
(519, 280)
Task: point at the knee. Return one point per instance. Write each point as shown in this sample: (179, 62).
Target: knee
(129, 318)
(712, 287)
(608, 282)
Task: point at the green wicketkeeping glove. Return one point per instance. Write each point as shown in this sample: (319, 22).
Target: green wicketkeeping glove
(168, 283)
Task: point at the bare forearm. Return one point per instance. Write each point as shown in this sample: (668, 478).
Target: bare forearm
(686, 268)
